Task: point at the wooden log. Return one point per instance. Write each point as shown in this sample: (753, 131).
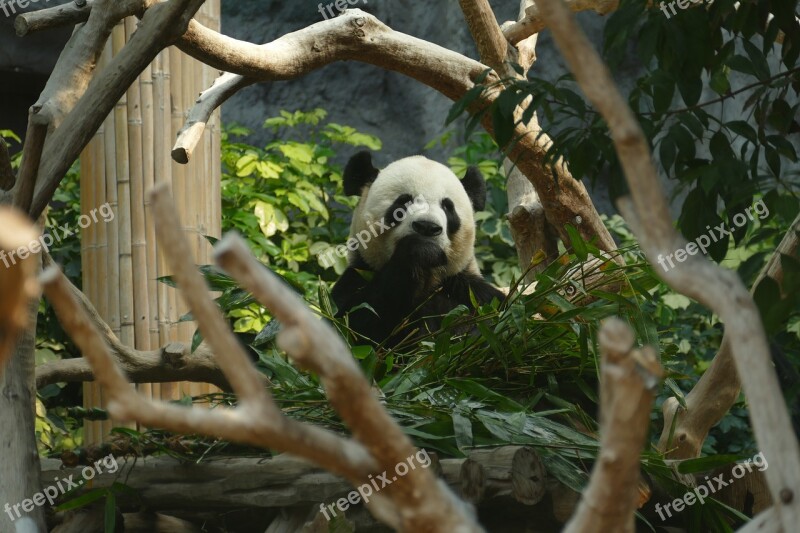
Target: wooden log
(270, 485)
(514, 471)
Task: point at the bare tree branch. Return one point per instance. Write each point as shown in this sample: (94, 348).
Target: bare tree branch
(54, 17)
(212, 98)
(492, 45)
(172, 363)
(31, 158)
(719, 289)
(533, 22)
(236, 364)
(342, 457)
(629, 378)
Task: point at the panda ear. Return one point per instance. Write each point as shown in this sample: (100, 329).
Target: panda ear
(475, 186)
(359, 172)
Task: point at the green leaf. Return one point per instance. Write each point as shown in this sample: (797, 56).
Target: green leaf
(197, 339)
(741, 64)
(740, 127)
(705, 464)
(110, 515)
(577, 242)
(757, 59)
(82, 500)
(270, 219)
(297, 151)
(719, 82)
(461, 105)
(462, 427)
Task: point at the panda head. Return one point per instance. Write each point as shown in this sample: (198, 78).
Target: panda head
(413, 196)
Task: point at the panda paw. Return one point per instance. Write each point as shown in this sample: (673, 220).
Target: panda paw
(419, 253)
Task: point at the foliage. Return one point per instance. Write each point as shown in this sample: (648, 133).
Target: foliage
(292, 228)
(725, 151)
(286, 199)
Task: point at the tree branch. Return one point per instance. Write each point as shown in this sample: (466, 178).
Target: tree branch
(492, 45)
(629, 379)
(314, 346)
(533, 22)
(53, 17)
(718, 387)
(212, 98)
(719, 289)
(172, 363)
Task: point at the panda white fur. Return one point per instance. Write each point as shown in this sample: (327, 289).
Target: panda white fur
(416, 255)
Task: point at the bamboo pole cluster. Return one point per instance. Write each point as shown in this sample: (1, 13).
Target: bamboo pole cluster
(122, 161)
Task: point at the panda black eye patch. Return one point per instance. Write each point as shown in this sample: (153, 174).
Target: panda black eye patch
(453, 222)
(398, 207)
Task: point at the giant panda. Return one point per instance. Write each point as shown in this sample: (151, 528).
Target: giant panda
(415, 256)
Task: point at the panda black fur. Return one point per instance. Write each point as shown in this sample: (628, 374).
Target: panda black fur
(421, 264)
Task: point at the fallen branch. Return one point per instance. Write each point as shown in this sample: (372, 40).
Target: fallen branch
(171, 363)
(515, 471)
(719, 289)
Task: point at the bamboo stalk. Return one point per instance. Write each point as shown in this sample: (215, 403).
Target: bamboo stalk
(178, 308)
(161, 133)
(148, 176)
(121, 302)
(141, 308)
(169, 305)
